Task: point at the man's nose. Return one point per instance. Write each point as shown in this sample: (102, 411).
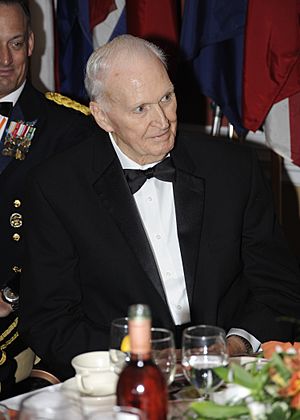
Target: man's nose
(5, 56)
(159, 117)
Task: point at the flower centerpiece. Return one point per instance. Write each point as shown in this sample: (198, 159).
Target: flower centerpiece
(269, 390)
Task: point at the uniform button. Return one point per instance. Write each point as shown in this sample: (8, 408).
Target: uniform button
(158, 236)
(17, 203)
(168, 273)
(149, 198)
(16, 237)
(16, 220)
(178, 307)
(16, 269)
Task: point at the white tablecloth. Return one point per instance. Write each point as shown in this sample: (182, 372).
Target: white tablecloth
(14, 402)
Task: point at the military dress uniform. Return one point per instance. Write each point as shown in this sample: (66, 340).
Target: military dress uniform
(36, 129)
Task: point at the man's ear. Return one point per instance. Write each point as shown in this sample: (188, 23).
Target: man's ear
(30, 44)
(100, 116)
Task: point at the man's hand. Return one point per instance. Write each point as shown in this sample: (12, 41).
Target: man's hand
(237, 345)
(5, 308)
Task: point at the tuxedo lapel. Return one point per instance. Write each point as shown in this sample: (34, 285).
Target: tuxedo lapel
(189, 203)
(115, 195)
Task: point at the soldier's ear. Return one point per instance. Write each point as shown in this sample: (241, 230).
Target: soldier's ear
(100, 116)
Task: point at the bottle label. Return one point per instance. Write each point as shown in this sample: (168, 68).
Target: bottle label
(140, 336)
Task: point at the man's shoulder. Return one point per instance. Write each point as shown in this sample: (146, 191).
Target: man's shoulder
(65, 108)
(75, 159)
(197, 143)
(48, 108)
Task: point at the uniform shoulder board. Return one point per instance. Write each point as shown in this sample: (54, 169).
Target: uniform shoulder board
(69, 103)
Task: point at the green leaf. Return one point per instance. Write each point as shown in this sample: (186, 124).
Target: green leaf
(279, 365)
(209, 409)
(243, 377)
(278, 414)
(222, 372)
(295, 416)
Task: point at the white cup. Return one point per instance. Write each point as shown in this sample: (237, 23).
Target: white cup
(94, 375)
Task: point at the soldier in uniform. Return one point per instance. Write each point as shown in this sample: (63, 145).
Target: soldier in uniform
(32, 128)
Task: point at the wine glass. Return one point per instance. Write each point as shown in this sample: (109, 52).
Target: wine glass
(117, 413)
(203, 349)
(162, 342)
(119, 350)
(51, 404)
(163, 352)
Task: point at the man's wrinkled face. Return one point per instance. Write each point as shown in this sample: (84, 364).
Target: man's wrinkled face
(141, 111)
(16, 46)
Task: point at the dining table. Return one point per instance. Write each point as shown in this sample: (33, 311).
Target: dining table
(181, 393)
(14, 403)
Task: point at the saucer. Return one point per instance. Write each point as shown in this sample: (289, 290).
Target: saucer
(70, 385)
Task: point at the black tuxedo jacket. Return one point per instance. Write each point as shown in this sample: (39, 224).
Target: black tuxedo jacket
(89, 257)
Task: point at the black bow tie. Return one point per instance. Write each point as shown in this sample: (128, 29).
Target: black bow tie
(5, 108)
(164, 171)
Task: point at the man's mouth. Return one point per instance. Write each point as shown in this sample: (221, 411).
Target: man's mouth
(6, 71)
(161, 135)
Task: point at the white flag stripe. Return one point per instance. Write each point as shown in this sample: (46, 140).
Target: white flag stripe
(277, 129)
(103, 31)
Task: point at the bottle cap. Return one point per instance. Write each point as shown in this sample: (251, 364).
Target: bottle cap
(139, 311)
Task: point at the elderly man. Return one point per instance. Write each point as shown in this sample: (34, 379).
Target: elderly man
(195, 237)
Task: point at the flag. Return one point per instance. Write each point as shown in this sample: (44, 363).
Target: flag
(271, 58)
(153, 20)
(212, 44)
(282, 128)
(99, 10)
(156, 21)
(74, 46)
(81, 27)
(113, 25)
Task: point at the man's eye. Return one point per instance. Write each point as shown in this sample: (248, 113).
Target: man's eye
(140, 109)
(167, 97)
(17, 45)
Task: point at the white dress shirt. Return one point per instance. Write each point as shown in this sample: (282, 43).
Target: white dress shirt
(155, 203)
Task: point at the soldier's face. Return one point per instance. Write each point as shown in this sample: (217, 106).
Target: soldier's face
(16, 45)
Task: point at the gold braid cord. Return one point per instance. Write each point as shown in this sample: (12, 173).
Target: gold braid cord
(3, 358)
(8, 330)
(69, 103)
(9, 335)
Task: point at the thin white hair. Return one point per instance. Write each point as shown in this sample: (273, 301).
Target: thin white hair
(100, 62)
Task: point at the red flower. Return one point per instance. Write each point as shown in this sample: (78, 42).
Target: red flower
(295, 383)
(295, 402)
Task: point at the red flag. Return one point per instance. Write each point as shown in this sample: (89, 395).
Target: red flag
(99, 10)
(148, 18)
(271, 57)
(156, 21)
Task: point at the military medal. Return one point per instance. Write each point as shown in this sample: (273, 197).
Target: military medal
(18, 138)
(3, 121)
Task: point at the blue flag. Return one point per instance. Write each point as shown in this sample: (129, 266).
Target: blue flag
(212, 39)
(75, 45)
